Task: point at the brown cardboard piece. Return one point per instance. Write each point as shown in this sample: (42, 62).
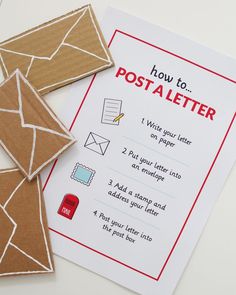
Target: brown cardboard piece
(24, 241)
(30, 132)
(59, 52)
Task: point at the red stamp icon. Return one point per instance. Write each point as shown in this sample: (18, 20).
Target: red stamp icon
(68, 206)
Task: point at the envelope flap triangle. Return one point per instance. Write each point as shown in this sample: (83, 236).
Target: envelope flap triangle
(16, 262)
(104, 145)
(78, 63)
(9, 95)
(38, 42)
(85, 35)
(35, 112)
(8, 182)
(25, 208)
(99, 139)
(6, 230)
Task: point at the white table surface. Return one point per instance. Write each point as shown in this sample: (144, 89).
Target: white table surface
(212, 268)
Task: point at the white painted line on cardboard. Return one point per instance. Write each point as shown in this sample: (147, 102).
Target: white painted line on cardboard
(12, 234)
(29, 67)
(9, 170)
(85, 51)
(14, 191)
(4, 66)
(9, 111)
(32, 151)
(30, 257)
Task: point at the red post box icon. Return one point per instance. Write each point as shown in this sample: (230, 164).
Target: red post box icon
(68, 206)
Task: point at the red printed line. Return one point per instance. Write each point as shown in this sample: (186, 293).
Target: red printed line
(79, 109)
(50, 173)
(98, 252)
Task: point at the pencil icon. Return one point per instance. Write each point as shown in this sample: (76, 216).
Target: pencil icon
(118, 117)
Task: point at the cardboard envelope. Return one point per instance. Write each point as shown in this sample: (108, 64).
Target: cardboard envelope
(30, 132)
(58, 52)
(97, 143)
(24, 240)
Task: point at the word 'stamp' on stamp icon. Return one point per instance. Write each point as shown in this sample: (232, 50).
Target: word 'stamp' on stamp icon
(68, 206)
(97, 143)
(111, 112)
(83, 174)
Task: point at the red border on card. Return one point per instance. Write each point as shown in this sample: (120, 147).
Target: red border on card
(202, 186)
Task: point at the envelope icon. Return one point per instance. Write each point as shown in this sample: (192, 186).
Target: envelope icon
(24, 240)
(30, 132)
(97, 143)
(59, 52)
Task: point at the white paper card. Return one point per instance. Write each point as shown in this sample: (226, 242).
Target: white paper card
(156, 141)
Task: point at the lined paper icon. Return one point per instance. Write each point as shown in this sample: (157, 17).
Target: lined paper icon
(111, 110)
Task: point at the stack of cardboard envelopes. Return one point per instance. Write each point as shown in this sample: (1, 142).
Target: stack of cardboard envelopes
(33, 63)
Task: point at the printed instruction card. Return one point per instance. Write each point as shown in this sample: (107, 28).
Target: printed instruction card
(156, 141)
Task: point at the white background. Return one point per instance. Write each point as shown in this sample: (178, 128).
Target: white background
(209, 22)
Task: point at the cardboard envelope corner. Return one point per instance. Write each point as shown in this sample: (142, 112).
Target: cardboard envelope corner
(14, 258)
